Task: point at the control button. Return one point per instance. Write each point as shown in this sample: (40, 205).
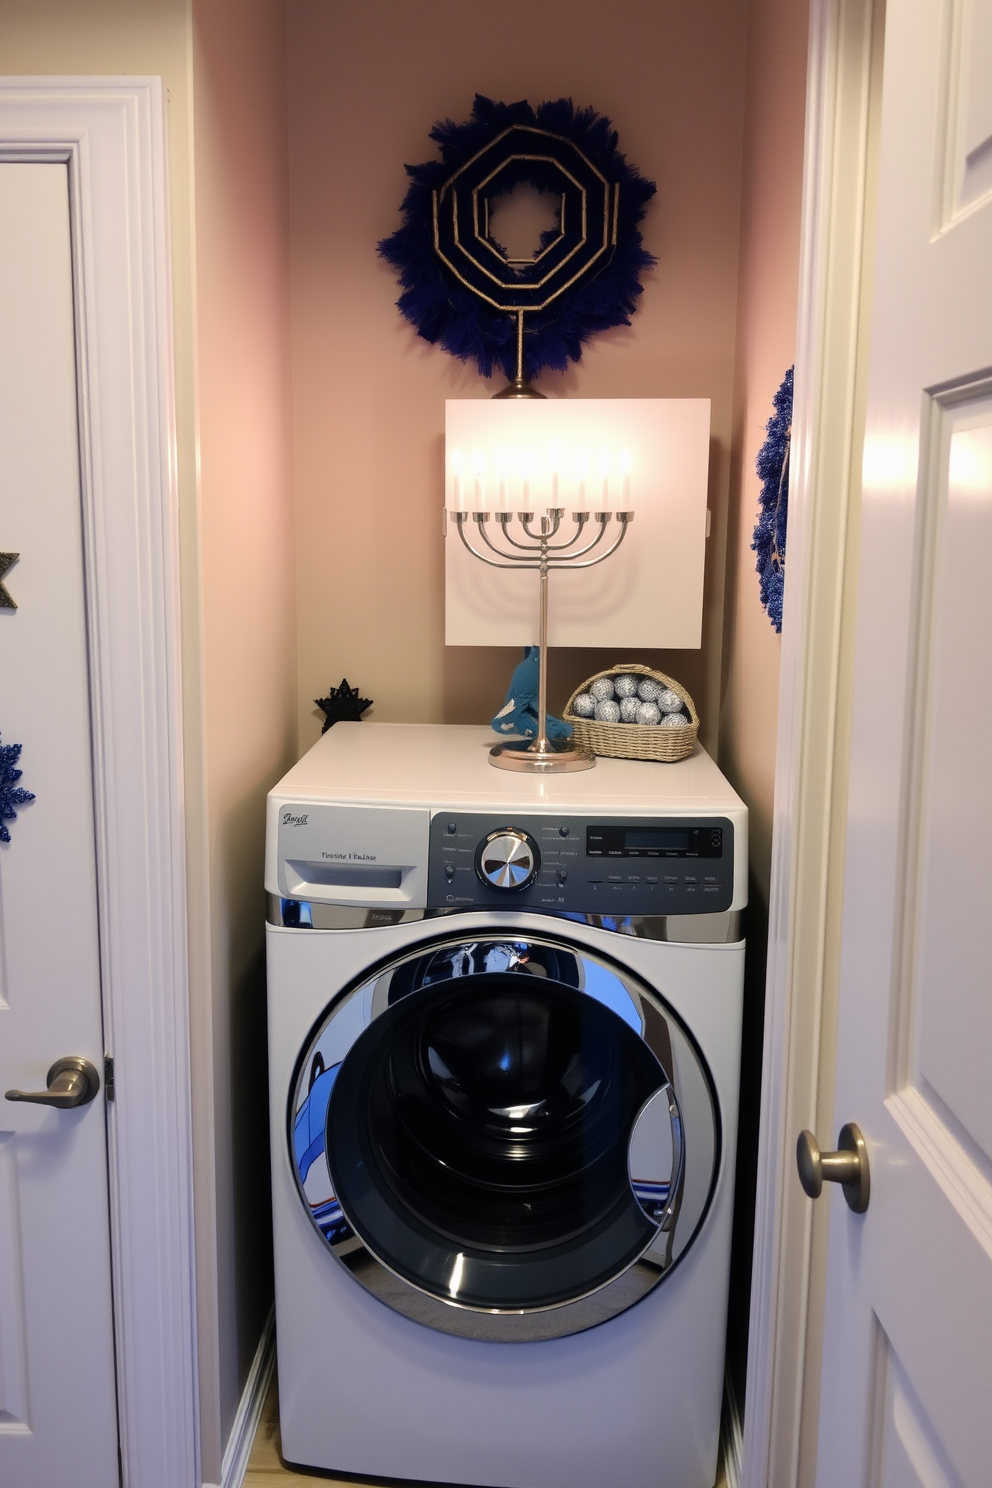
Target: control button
(613, 878)
(632, 878)
(671, 878)
(594, 880)
(449, 870)
(689, 878)
(508, 859)
(562, 875)
(649, 878)
(710, 878)
(563, 831)
(452, 828)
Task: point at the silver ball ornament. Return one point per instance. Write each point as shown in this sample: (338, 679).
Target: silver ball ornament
(674, 720)
(607, 711)
(602, 688)
(624, 687)
(628, 709)
(649, 690)
(669, 701)
(584, 705)
(648, 713)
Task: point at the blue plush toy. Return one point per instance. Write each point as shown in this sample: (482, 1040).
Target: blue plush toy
(518, 714)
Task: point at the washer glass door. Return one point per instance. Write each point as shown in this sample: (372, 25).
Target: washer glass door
(491, 1134)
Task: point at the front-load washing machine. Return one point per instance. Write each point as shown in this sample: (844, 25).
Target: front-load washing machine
(504, 1042)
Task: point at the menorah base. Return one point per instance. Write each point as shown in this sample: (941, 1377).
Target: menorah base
(523, 755)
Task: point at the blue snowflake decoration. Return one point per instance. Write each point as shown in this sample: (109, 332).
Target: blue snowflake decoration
(11, 794)
(772, 466)
(462, 290)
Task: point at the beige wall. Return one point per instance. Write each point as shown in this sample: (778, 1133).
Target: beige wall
(766, 339)
(368, 81)
(248, 642)
(225, 85)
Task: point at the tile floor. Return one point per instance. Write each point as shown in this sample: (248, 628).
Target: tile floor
(266, 1468)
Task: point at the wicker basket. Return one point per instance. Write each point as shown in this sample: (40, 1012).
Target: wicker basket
(642, 741)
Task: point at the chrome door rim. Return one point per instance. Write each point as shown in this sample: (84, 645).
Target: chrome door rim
(694, 1172)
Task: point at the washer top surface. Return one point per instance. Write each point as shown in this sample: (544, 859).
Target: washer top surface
(448, 764)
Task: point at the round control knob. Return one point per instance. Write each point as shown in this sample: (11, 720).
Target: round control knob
(508, 859)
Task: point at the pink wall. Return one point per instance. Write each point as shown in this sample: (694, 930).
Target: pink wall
(248, 645)
(367, 83)
(766, 338)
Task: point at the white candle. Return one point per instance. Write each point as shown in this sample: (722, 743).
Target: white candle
(502, 470)
(479, 485)
(582, 479)
(603, 482)
(551, 485)
(457, 492)
(625, 502)
(526, 476)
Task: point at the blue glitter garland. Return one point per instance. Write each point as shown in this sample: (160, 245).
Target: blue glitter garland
(11, 794)
(772, 465)
(448, 313)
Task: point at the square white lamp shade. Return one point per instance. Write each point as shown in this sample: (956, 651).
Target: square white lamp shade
(648, 455)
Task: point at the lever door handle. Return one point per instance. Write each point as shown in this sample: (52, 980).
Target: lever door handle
(71, 1082)
(848, 1167)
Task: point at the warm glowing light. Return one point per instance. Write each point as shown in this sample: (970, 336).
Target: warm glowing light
(888, 462)
(457, 490)
(969, 469)
(603, 478)
(570, 477)
(624, 462)
(501, 459)
(526, 469)
(478, 481)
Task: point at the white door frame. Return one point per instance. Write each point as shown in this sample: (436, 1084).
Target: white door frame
(780, 1423)
(110, 134)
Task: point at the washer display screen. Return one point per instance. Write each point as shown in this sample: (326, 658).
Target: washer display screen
(654, 842)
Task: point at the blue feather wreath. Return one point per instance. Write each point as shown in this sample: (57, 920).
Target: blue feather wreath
(772, 465)
(447, 313)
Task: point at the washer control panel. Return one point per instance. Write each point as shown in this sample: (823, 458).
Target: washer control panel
(619, 865)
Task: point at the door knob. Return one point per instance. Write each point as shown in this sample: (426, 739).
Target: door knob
(848, 1167)
(71, 1082)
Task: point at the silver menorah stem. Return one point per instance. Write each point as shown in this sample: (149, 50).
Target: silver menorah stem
(539, 550)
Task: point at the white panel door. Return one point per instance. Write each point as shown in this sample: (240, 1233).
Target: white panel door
(58, 1420)
(906, 1398)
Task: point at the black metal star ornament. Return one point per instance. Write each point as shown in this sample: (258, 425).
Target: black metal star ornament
(7, 561)
(342, 705)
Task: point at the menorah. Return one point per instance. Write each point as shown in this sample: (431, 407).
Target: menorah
(537, 549)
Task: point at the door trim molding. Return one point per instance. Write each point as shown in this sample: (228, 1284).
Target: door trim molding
(110, 134)
(780, 1424)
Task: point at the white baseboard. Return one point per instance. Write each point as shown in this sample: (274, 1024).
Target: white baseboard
(239, 1444)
